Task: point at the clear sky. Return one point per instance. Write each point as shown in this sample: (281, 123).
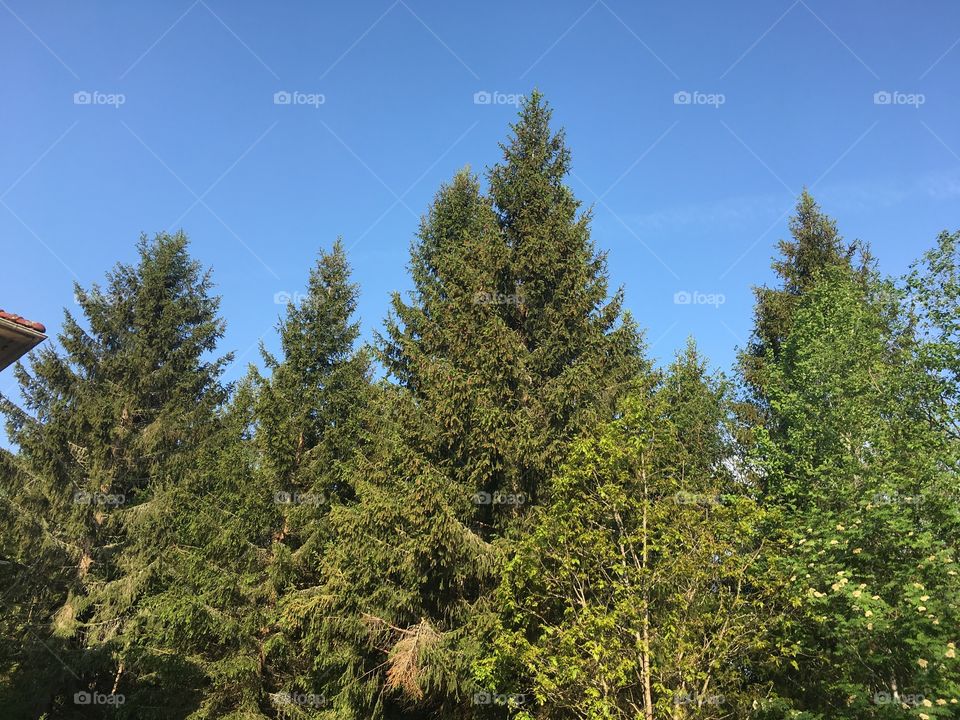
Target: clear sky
(179, 128)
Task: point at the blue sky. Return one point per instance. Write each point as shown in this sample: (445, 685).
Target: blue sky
(182, 130)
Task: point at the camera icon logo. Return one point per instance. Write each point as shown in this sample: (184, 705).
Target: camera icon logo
(682, 297)
(82, 97)
(482, 97)
(882, 97)
(282, 97)
(82, 698)
(682, 98)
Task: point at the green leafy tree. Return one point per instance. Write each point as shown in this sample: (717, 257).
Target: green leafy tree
(866, 513)
(637, 592)
(933, 297)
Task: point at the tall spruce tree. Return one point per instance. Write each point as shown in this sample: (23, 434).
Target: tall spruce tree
(312, 418)
(510, 335)
(309, 411)
(32, 588)
(580, 347)
(248, 526)
(109, 421)
(405, 573)
(454, 350)
(507, 348)
(194, 643)
(814, 244)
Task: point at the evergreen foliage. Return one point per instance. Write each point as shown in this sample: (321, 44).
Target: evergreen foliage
(502, 509)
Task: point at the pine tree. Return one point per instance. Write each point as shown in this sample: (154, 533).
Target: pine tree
(309, 412)
(109, 422)
(389, 631)
(199, 628)
(581, 348)
(815, 244)
(454, 350)
(312, 417)
(507, 348)
(406, 567)
(247, 526)
(510, 339)
(31, 556)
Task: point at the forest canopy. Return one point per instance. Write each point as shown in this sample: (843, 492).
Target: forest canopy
(500, 507)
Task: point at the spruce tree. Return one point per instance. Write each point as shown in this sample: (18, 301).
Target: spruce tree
(453, 349)
(814, 244)
(32, 587)
(580, 347)
(198, 632)
(309, 411)
(510, 337)
(247, 528)
(111, 419)
(405, 571)
(507, 348)
(312, 420)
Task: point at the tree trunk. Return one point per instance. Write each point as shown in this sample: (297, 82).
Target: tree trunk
(647, 685)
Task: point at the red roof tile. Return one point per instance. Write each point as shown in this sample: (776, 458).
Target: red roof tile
(23, 321)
